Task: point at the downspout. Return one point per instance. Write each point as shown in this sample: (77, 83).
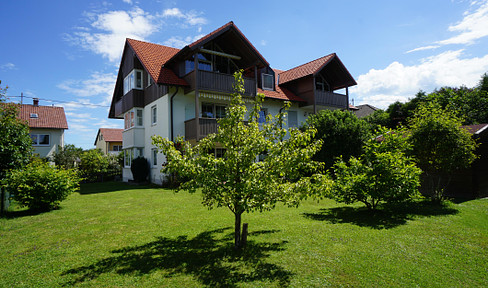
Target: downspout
(171, 110)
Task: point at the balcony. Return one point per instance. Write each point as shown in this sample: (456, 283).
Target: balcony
(206, 126)
(133, 98)
(330, 99)
(218, 82)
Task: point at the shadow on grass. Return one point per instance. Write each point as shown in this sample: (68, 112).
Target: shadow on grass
(24, 212)
(389, 217)
(209, 259)
(106, 187)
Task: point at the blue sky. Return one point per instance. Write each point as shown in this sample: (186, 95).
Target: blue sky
(68, 52)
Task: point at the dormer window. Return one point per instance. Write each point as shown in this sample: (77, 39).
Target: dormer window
(133, 81)
(268, 81)
(34, 115)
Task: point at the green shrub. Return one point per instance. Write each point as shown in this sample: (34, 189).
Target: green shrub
(384, 173)
(140, 169)
(40, 186)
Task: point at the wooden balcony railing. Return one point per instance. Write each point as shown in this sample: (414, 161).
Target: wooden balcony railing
(219, 82)
(330, 99)
(133, 98)
(206, 126)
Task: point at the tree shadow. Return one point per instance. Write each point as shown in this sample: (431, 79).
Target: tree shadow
(211, 260)
(389, 217)
(106, 187)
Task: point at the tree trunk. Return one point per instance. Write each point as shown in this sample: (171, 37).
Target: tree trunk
(237, 231)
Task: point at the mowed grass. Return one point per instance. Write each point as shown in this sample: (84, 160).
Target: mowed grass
(115, 235)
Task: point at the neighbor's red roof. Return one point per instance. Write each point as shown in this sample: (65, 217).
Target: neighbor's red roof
(153, 57)
(47, 116)
(111, 134)
(306, 69)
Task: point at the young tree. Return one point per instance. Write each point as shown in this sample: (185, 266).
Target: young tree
(15, 142)
(238, 180)
(384, 173)
(68, 157)
(342, 133)
(440, 145)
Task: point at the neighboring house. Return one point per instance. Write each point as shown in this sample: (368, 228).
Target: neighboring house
(46, 127)
(109, 140)
(159, 92)
(473, 182)
(364, 110)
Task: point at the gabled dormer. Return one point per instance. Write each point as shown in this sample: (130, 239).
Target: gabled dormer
(317, 82)
(218, 55)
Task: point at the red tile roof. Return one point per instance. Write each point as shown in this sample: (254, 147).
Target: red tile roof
(306, 69)
(281, 93)
(111, 134)
(47, 116)
(153, 57)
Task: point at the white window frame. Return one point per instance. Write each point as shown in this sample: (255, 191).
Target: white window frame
(154, 115)
(37, 137)
(290, 124)
(128, 156)
(154, 156)
(134, 80)
(139, 117)
(262, 81)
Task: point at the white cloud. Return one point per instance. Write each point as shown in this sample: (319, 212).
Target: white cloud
(264, 42)
(127, 1)
(180, 42)
(400, 82)
(99, 84)
(472, 27)
(8, 66)
(109, 30)
(192, 18)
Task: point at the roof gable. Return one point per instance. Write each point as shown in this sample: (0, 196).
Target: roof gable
(227, 36)
(43, 116)
(280, 93)
(109, 135)
(329, 64)
(153, 57)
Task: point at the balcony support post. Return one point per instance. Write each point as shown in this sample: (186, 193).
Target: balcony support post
(314, 96)
(347, 98)
(197, 102)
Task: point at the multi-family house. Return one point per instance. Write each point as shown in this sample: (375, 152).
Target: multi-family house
(109, 140)
(182, 92)
(46, 127)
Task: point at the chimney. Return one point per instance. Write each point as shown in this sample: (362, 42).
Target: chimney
(36, 101)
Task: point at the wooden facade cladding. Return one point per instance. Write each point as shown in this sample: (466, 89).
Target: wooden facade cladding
(133, 98)
(330, 99)
(218, 82)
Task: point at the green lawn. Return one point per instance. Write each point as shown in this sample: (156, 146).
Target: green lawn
(114, 235)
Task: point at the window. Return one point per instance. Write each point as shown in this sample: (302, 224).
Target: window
(40, 139)
(127, 158)
(139, 117)
(130, 154)
(133, 81)
(154, 157)
(154, 115)
(292, 119)
(129, 120)
(210, 110)
(149, 80)
(34, 115)
(267, 82)
(117, 148)
(262, 115)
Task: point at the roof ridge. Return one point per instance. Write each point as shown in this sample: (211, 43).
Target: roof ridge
(309, 62)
